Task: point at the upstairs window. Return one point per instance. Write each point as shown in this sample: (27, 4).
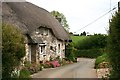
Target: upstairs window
(45, 32)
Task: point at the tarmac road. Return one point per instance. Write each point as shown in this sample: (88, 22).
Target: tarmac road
(84, 68)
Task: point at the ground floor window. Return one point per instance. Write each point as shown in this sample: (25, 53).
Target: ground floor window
(58, 48)
(42, 52)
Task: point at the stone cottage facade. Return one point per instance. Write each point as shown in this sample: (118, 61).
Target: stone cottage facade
(43, 45)
(45, 38)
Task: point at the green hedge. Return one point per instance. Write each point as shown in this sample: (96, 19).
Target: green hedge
(114, 45)
(92, 42)
(90, 53)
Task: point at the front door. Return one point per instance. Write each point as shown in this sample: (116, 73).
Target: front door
(33, 53)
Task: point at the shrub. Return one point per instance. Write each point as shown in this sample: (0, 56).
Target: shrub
(34, 68)
(92, 42)
(90, 53)
(114, 45)
(15, 73)
(101, 59)
(59, 60)
(70, 52)
(12, 49)
(92, 46)
(64, 61)
(24, 73)
(27, 64)
(55, 64)
(47, 64)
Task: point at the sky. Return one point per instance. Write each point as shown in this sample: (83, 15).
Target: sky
(79, 13)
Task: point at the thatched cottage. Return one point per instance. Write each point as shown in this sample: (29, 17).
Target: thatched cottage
(45, 36)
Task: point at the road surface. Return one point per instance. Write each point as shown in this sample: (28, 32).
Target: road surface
(82, 69)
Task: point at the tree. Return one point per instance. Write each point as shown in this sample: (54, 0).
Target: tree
(12, 49)
(61, 18)
(114, 45)
(83, 34)
(71, 33)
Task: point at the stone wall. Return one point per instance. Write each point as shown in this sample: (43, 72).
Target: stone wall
(48, 46)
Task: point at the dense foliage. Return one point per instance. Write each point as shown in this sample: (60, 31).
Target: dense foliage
(101, 59)
(93, 42)
(12, 49)
(90, 53)
(90, 46)
(70, 52)
(114, 45)
(61, 18)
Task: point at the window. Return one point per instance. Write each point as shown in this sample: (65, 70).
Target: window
(58, 48)
(51, 48)
(37, 31)
(42, 49)
(45, 32)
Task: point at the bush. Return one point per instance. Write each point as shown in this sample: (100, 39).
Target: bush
(32, 67)
(90, 53)
(12, 49)
(114, 45)
(92, 42)
(101, 59)
(55, 64)
(59, 60)
(24, 73)
(92, 46)
(70, 52)
(51, 64)
(47, 64)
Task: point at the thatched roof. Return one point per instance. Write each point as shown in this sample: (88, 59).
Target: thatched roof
(29, 17)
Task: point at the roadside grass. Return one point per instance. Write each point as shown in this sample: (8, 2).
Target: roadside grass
(101, 59)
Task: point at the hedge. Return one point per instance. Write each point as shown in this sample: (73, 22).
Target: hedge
(90, 53)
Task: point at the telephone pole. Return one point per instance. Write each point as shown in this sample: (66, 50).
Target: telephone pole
(119, 6)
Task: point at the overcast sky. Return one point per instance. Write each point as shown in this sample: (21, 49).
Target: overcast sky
(80, 13)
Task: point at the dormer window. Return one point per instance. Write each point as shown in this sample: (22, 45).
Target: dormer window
(42, 31)
(37, 32)
(45, 32)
